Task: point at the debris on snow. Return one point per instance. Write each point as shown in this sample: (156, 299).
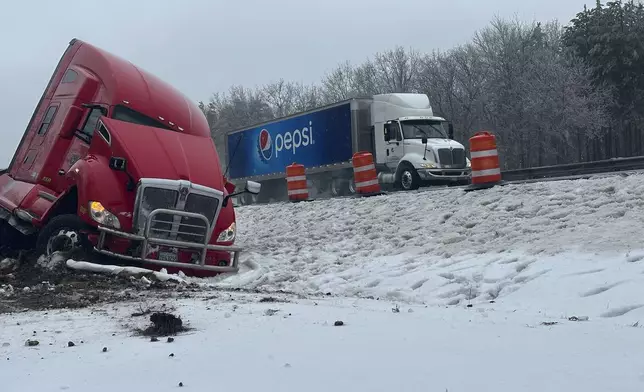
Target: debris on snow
(271, 312)
(120, 271)
(31, 343)
(164, 324)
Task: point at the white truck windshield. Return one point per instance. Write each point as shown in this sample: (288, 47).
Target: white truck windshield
(418, 129)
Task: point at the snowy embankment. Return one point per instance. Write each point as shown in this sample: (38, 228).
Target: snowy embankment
(527, 287)
(558, 247)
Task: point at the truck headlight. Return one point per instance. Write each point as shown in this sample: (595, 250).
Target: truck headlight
(429, 165)
(228, 235)
(103, 216)
(469, 163)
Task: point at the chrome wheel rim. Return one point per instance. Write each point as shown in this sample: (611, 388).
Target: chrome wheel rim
(406, 179)
(66, 240)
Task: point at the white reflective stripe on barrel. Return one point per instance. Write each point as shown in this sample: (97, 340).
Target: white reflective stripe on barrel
(364, 168)
(488, 172)
(298, 192)
(296, 178)
(366, 183)
(483, 154)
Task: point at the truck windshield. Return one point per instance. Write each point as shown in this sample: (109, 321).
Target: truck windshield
(417, 129)
(123, 113)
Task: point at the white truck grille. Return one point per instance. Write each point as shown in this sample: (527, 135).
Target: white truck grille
(452, 158)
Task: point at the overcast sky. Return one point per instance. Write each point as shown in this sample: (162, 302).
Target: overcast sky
(203, 46)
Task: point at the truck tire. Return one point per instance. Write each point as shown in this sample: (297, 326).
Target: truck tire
(408, 178)
(58, 235)
(342, 187)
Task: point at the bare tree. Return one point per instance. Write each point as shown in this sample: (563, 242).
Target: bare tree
(307, 97)
(340, 84)
(397, 70)
(280, 96)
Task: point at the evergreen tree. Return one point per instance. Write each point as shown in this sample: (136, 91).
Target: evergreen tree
(610, 39)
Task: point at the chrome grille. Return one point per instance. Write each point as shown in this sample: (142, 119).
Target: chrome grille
(199, 204)
(454, 158)
(179, 196)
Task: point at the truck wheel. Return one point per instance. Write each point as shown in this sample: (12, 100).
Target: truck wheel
(61, 234)
(351, 187)
(343, 187)
(336, 187)
(408, 178)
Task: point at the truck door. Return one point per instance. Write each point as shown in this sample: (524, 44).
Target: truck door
(393, 144)
(79, 86)
(28, 167)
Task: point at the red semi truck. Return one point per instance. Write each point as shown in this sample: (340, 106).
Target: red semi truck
(118, 162)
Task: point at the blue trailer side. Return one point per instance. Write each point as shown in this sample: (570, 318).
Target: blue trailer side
(313, 139)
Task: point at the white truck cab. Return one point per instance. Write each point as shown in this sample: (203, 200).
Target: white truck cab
(412, 146)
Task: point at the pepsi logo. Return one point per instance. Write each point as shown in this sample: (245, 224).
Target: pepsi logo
(265, 144)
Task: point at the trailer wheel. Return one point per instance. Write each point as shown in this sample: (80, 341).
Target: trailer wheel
(248, 199)
(343, 187)
(408, 178)
(62, 234)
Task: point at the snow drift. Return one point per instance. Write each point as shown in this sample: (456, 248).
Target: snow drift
(564, 245)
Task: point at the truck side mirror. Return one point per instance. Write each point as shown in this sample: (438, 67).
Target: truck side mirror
(450, 131)
(253, 187)
(71, 122)
(424, 140)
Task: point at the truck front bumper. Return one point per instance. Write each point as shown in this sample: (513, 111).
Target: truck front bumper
(448, 175)
(147, 240)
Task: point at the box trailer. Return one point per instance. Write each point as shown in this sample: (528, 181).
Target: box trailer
(411, 147)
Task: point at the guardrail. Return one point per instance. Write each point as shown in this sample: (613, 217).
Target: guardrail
(562, 172)
(575, 169)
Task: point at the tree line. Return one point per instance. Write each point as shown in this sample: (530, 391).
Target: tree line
(551, 94)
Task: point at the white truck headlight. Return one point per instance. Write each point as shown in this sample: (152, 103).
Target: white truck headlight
(228, 235)
(469, 163)
(103, 216)
(428, 165)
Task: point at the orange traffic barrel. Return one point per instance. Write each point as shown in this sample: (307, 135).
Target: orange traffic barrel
(364, 174)
(296, 182)
(484, 157)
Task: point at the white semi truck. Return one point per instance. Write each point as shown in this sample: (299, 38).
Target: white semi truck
(411, 147)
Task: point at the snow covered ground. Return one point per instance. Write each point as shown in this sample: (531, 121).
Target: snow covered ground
(237, 345)
(558, 247)
(527, 287)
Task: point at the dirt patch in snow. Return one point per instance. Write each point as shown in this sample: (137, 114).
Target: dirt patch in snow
(27, 283)
(164, 324)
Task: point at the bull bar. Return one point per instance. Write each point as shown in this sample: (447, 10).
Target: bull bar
(147, 239)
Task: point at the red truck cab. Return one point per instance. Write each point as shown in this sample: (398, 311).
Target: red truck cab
(119, 162)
